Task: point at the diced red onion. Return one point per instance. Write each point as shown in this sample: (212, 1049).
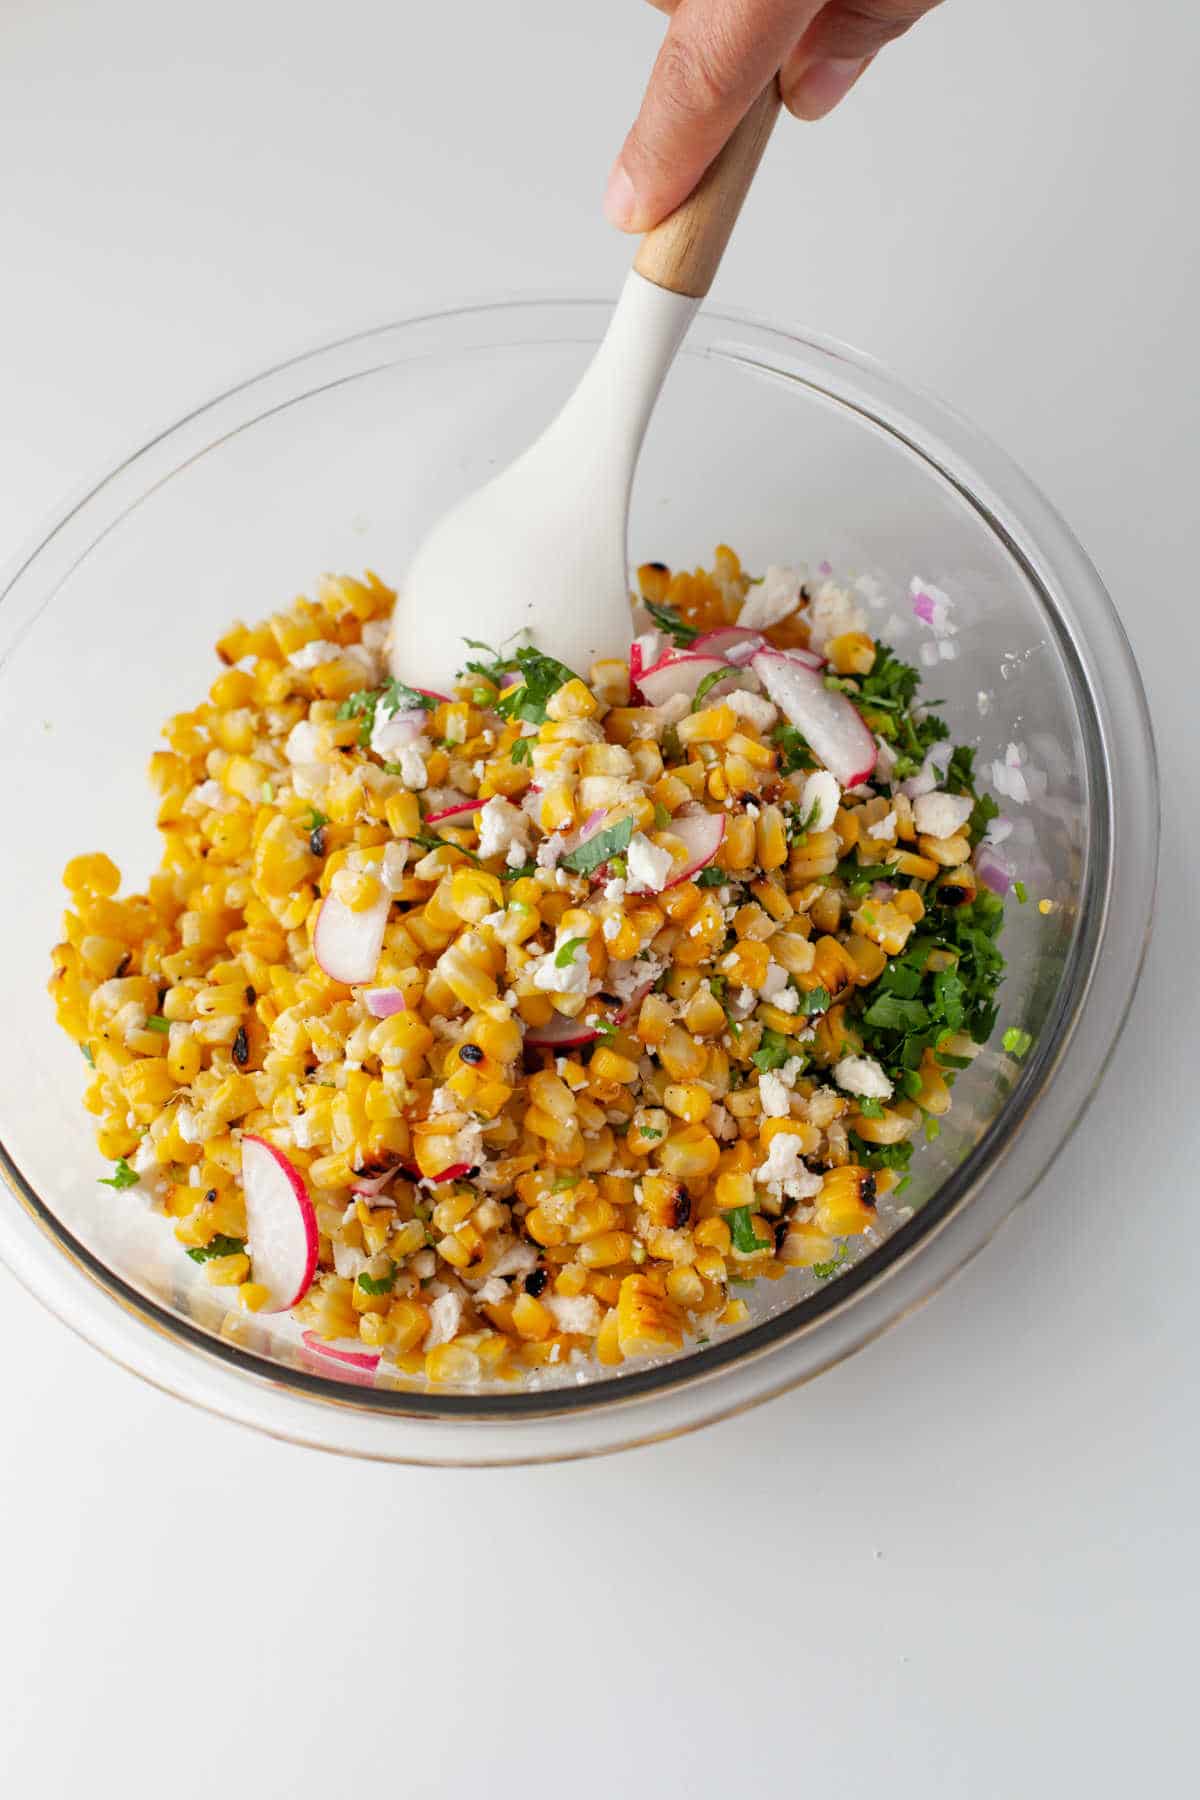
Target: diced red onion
(382, 1002)
(923, 607)
(993, 870)
(882, 890)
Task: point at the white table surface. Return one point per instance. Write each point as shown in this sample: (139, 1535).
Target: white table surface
(962, 1564)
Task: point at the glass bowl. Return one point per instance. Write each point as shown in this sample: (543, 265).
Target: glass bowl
(789, 448)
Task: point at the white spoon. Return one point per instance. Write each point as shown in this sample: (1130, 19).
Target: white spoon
(541, 549)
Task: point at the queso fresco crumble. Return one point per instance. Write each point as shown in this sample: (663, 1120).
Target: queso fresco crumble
(492, 1029)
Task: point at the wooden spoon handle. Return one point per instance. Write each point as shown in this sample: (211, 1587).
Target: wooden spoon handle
(682, 253)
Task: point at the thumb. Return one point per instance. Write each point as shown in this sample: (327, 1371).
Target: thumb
(838, 45)
(716, 59)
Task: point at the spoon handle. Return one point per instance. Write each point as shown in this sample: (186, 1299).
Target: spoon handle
(683, 252)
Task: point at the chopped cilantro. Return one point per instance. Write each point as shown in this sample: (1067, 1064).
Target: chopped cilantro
(649, 1131)
(869, 1107)
(122, 1176)
(541, 678)
(217, 1246)
(816, 1000)
(741, 1228)
(1016, 1041)
(662, 817)
(86, 1052)
(880, 1156)
(564, 956)
(772, 1051)
(1021, 892)
(563, 1183)
(493, 670)
(162, 1026)
(599, 849)
(522, 751)
(825, 1270)
(378, 1284)
(519, 874)
(668, 620)
(711, 877)
(793, 749)
(316, 819)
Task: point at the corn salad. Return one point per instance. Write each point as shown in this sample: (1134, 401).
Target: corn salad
(651, 1005)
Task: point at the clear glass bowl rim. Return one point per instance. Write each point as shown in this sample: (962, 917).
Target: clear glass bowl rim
(1014, 1153)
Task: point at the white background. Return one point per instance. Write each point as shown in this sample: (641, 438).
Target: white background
(963, 1564)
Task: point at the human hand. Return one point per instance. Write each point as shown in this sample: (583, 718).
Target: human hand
(717, 57)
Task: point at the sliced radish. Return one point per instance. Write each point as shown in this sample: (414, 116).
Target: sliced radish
(701, 834)
(644, 652)
(682, 673)
(432, 694)
(629, 1008)
(353, 1365)
(346, 944)
(453, 812)
(454, 1173)
(371, 1185)
(831, 724)
(732, 643)
(383, 1002)
(809, 658)
(280, 1223)
(560, 1033)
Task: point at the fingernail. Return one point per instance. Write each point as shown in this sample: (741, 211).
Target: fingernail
(619, 198)
(821, 87)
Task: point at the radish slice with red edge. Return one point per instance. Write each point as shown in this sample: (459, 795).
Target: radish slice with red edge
(831, 724)
(732, 643)
(455, 1172)
(347, 944)
(701, 834)
(383, 1002)
(560, 1033)
(358, 1366)
(644, 652)
(682, 674)
(453, 812)
(371, 1185)
(432, 694)
(281, 1225)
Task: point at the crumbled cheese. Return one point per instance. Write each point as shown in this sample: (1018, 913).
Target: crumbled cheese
(517, 1259)
(862, 1075)
(503, 828)
(491, 1292)
(883, 828)
(831, 613)
(144, 1158)
(306, 743)
(649, 866)
(625, 978)
(445, 1317)
(820, 798)
(885, 762)
(755, 707)
(310, 655)
(391, 868)
(785, 1160)
(611, 928)
(550, 849)
(776, 595)
(792, 1069)
(574, 1313)
(305, 1132)
(773, 1095)
(614, 889)
(787, 1000)
(774, 982)
(348, 1262)
(411, 762)
(939, 815)
(805, 1186)
(572, 976)
(188, 1125)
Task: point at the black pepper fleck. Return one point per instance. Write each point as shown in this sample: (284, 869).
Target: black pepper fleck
(471, 1053)
(535, 1281)
(241, 1047)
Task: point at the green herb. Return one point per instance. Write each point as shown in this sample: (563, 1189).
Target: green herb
(122, 1177)
(890, 1013)
(888, 691)
(316, 819)
(794, 752)
(493, 670)
(393, 696)
(542, 676)
(1016, 1041)
(712, 877)
(824, 1270)
(522, 751)
(155, 1023)
(482, 696)
(86, 1052)
(662, 817)
(649, 1131)
(880, 1156)
(520, 874)
(618, 868)
(932, 1129)
(772, 1051)
(1021, 892)
(741, 1228)
(816, 1000)
(598, 849)
(563, 1183)
(668, 620)
(378, 1284)
(982, 814)
(564, 956)
(429, 840)
(869, 1107)
(709, 681)
(601, 1026)
(217, 1246)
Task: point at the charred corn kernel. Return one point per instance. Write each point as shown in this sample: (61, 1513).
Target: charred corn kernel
(737, 849)
(680, 1055)
(609, 1066)
(736, 1312)
(746, 965)
(851, 653)
(920, 868)
(714, 1235)
(685, 1287)
(792, 952)
(94, 874)
(608, 1341)
(474, 893)
(690, 1153)
(711, 725)
(654, 579)
(530, 1318)
(760, 756)
(816, 855)
(571, 701)
(452, 1365)
(606, 1250)
(647, 1321)
(845, 1205)
(868, 959)
(771, 838)
(910, 903)
(705, 1016)
(883, 924)
(809, 1136)
(403, 815)
(889, 1128)
(227, 1271)
(253, 1295)
(945, 852)
(687, 1100)
(733, 1189)
(806, 1244)
(934, 1095)
(610, 681)
(409, 1322)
